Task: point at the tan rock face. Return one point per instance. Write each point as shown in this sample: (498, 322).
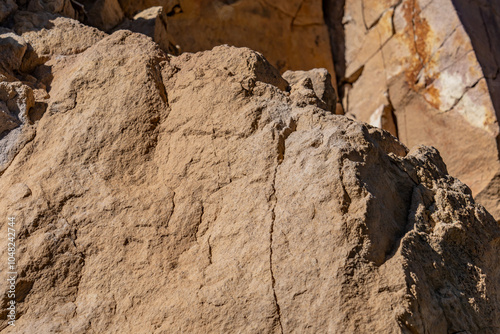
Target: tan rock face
(63, 7)
(297, 29)
(152, 22)
(133, 7)
(35, 38)
(431, 62)
(50, 35)
(312, 87)
(195, 194)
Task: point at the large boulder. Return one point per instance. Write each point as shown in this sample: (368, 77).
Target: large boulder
(192, 194)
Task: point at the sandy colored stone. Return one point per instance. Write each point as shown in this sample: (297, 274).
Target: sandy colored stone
(152, 22)
(297, 29)
(419, 122)
(50, 35)
(16, 130)
(133, 7)
(354, 30)
(12, 50)
(373, 10)
(191, 194)
(373, 41)
(62, 7)
(432, 49)
(317, 80)
(384, 118)
(360, 106)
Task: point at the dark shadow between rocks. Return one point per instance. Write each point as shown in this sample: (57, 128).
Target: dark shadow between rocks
(481, 20)
(333, 13)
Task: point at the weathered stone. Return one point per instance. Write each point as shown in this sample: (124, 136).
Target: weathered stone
(62, 7)
(383, 118)
(103, 14)
(374, 10)
(321, 84)
(153, 23)
(16, 100)
(50, 35)
(409, 47)
(133, 7)
(191, 194)
(296, 28)
(12, 49)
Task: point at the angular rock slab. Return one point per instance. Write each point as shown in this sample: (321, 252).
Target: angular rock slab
(433, 63)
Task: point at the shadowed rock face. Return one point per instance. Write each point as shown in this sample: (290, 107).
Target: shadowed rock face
(430, 69)
(201, 193)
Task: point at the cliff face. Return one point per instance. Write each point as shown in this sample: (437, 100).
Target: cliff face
(204, 193)
(435, 64)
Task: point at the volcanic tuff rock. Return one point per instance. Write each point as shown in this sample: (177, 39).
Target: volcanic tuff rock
(201, 193)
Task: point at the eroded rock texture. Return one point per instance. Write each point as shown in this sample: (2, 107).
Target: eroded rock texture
(206, 194)
(424, 70)
(296, 28)
(430, 68)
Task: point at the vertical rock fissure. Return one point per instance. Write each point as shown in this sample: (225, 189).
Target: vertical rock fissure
(346, 199)
(333, 13)
(274, 201)
(280, 156)
(296, 14)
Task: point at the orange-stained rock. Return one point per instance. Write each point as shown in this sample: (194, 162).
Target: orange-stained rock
(421, 58)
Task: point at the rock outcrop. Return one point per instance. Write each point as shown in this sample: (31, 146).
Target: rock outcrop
(299, 36)
(433, 66)
(430, 68)
(204, 193)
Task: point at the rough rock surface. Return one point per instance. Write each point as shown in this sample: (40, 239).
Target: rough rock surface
(49, 35)
(103, 14)
(152, 22)
(431, 67)
(63, 7)
(297, 29)
(35, 38)
(194, 194)
(319, 81)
